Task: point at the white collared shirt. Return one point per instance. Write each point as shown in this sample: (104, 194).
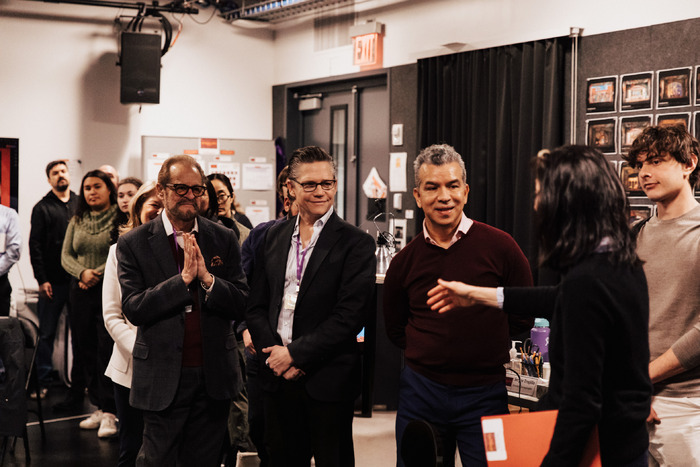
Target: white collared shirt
(169, 229)
(462, 229)
(285, 322)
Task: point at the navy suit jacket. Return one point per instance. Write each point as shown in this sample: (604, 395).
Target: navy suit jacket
(334, 300)
(154, 298)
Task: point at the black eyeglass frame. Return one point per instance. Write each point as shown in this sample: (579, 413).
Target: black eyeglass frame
(222, 197)
(310, 187)
(181, 189)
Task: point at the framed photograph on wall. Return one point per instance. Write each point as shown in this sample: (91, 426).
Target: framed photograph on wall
(636, 91)
(601, 94)
(630, 128)
(640, 212)
(630, 179)
(674, 119)
(696, 124)
(600, 134)
(697, 88)
(674, 87)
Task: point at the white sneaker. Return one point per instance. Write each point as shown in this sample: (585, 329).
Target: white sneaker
(108, 426)
(93, 421)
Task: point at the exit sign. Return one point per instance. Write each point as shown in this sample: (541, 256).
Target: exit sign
(367, 51)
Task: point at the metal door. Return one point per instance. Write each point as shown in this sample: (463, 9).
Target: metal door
(353, 125)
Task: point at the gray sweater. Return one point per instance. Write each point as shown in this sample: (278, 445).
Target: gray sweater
(670, 250)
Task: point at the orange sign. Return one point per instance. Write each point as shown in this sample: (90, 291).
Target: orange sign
(367, 51)
(208, 143)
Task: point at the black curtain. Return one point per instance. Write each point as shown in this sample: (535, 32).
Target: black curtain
(498, 107)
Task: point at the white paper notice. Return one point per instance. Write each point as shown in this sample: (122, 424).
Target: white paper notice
(494, 439)
(374, 186)
(397, 171)
(258, 214)
(231, 169)
(155, 162)
(258, 177)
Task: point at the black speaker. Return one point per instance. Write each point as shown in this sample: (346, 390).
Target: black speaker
(140, 62)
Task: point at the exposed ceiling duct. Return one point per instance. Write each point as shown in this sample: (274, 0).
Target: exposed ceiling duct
(276, 11)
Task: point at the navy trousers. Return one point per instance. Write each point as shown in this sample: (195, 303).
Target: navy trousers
(454, 411)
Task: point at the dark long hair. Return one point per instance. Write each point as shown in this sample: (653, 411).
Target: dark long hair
(223, 179)
(580, 202)
(213, 208)
(83, 207)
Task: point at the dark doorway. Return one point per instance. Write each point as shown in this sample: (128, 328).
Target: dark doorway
(350, 119)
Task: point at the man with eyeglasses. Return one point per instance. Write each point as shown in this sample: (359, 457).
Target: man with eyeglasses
(312, 287)
(182, 285)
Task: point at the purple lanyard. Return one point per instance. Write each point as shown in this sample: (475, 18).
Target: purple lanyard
(300, 265)
(177, 261)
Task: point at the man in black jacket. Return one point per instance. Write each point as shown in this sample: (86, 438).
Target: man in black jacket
(50, 218)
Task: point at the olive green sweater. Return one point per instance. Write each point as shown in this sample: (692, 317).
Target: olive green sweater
(86, 243)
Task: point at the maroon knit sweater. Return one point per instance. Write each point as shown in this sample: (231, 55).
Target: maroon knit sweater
(465, 346)
(192, 352)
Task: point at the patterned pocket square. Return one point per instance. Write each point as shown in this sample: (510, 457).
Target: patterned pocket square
(216, 261)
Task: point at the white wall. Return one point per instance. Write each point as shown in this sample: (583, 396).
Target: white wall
(60, 87)
(420, 28)
(60, 93)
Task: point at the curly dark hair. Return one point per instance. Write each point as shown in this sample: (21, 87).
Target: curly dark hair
(674, 140)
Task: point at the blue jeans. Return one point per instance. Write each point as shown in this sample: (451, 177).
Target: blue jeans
(49, 311)
(454, 411)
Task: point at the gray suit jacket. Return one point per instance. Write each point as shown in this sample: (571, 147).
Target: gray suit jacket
(154, 298)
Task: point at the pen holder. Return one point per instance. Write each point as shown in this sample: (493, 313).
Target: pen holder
(532, 364)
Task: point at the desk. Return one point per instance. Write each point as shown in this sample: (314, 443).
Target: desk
(521, 400)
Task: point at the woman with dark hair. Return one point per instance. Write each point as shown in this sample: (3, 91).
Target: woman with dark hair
(220, 208)
(599, 312)
(144, 207)
(84, 254)
(227, 199)
(126, 189)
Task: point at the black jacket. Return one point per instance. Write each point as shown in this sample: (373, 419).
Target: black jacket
(599, 351)
(50, 218)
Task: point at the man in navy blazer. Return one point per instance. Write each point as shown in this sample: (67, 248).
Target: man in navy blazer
(311, 291)
(182, 285)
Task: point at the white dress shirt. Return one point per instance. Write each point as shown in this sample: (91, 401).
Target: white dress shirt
(297, 259)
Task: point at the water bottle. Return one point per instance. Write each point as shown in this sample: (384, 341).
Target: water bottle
(540, 337)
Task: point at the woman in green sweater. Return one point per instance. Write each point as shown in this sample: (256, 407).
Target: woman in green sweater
(84, 254)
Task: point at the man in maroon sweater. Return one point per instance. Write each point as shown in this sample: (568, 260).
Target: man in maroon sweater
(454, 370)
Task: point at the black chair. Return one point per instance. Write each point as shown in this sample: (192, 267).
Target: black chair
(30, 332)
(31, 347)
(421, 445)
(13, 376)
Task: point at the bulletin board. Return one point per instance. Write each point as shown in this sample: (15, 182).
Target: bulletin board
(249, 164)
